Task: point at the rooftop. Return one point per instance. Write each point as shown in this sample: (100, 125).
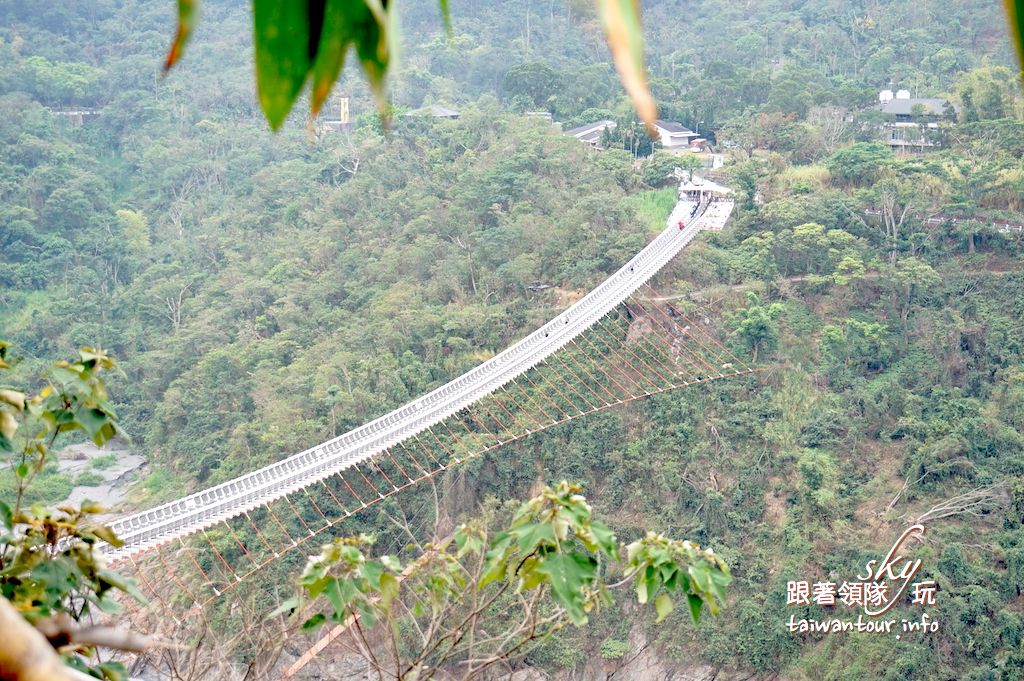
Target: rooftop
(435, 110)
(673, 128)
(699, 184)
(589, 127)
(591, 132)
(933, 106)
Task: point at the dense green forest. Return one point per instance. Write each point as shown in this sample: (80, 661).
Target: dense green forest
(266, 291)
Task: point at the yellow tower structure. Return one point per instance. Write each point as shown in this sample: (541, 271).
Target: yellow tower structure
(343, 110)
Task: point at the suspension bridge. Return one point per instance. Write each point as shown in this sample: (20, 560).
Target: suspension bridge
(620, 342)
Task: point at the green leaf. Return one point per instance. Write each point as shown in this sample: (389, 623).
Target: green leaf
(567, 574)
(372, 571)
(281, 37)
(651, 579)
(388, 589)
(21, 470)
(530, 536)
(530, 577)
(695, 604)
(701, 574)
(719, 580)
(56, 576)
(373, 35)
(605, 538)
(1015, 18)
(6, 515)
(446, 15)
(333, 591)
(122, 583)
(367, 615)
(497, 556)
(663, 606)
(287, 606)
(109, 607)
(314, 621)
(92, 421)
(114, 671)
(335, 38)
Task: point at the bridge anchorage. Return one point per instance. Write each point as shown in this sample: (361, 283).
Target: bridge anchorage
(615, 345)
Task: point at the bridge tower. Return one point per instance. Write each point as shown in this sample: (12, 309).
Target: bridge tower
(343, 109)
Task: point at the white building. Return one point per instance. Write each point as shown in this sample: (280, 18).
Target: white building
(674, 136)
(592, 132)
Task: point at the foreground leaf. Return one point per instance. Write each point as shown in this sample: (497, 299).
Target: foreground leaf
(374, 33)
(695, 605)
(663, 605)
(1015, 18)
(281, 37)
(188, 10)
(621, 20)
(335, 38)
(568, 574)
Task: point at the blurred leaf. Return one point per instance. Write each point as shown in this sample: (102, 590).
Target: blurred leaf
(621, 20)
(701, 575)
(373, 35)
(335, 38)
(1015, 17)
(332, 589)
(107, 535)
(281, 37)
(6, 515)
(388, 589)
(446, 16)
(8, 425)
(122, 583)
(188, 11)
(92, 420)
(695, 605)
(286, 607)
(13, 398)
(314, 621)
(114, 671)
(663, 606)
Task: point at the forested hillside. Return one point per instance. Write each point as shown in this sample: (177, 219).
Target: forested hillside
(267, 291)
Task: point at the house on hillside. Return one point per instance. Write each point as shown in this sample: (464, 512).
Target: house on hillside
(435, 110)
(76, 116)
(912, 123)
(674, 136)
(906, 109)
(591, 132)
